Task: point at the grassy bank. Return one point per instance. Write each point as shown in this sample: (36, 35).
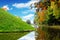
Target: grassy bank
(9, 22)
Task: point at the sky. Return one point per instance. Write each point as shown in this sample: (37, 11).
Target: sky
(19, 8)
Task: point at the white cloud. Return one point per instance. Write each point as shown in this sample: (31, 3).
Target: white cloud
(22, 5)
(5, 7)
(19, 5)
(29, 11)
(28, 16)
(25, 12)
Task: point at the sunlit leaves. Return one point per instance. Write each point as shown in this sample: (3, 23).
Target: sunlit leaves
(41, 16)
(47, 8)
(52, 4)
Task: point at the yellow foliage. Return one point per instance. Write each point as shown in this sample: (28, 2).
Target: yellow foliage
(42, 13)
(39, 14)
(59, 0)
(42, 16)
(52, 4)
(44, 8)
(45, 0)
(52, 0)
(41, 4)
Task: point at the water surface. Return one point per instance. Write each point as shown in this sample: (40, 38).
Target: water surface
(18, 36)
(29, 36)
(12, 36)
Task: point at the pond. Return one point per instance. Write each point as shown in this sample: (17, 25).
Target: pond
(29, 36)
(18, 36)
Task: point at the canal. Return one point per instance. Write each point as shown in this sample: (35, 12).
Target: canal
(18, 36)
(29, 36)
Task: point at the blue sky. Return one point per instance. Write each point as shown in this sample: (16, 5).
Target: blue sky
(19, 8)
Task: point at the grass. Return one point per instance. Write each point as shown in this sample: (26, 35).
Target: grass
(9, 22)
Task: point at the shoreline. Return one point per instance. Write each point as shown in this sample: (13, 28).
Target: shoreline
(14, 31)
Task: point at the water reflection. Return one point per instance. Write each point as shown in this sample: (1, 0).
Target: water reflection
(18, 36)
(12, 36)
(30, 36)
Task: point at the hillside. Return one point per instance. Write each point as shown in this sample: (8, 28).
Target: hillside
(9, 22)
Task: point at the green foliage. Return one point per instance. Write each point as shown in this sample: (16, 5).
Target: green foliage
(51, 14)
(10, 22)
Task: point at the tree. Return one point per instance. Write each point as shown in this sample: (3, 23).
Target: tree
(47, 12)
(28, 21)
